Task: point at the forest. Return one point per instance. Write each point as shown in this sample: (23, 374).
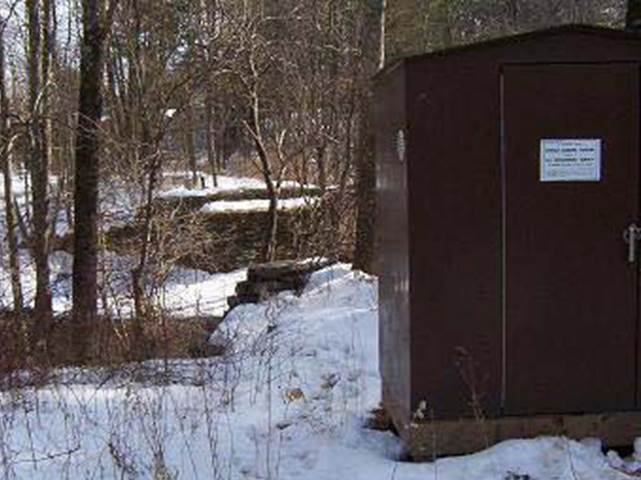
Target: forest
(103, 99)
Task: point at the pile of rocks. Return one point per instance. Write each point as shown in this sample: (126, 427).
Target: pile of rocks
(267, 279)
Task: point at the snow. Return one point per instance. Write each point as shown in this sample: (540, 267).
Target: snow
(190, 292)
(286, 401)
(119, 202)
(256, 205)
(185, 293)
(225, 184)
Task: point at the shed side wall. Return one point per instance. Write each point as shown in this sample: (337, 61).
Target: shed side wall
(392, 244)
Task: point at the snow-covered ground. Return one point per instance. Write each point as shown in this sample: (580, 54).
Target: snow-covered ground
(257, 205)
(287, 401)
(225, 184)
(186, 292)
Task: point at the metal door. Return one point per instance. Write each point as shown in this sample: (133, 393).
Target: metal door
(570, 166)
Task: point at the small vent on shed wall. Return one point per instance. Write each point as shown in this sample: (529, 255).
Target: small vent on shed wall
(401, 144)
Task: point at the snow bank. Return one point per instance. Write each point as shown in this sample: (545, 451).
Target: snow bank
(256, 205)
(287, 401)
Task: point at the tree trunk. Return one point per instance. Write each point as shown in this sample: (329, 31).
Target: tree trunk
(211, 140)
(142, 309)
(46, 74)
(271, 241)
(512, 19)
(87, 173)
(633, 16)
(12, 240)
(372, 45)
(269, 246)
(211, 10)
(39, 169)
(190, 146)
(221, 145)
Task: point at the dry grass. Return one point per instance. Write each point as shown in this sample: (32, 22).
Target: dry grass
(380, 420)
(111, 343)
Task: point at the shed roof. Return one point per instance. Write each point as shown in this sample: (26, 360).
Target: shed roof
(563, 30)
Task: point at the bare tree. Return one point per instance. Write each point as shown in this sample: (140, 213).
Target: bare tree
(190, 144)
(87, 172)
(156, 76)
(7, 139)
(418, 27)
(210, 18)
(253, 70)
(38, 161)
(633, 15)
(372, 46)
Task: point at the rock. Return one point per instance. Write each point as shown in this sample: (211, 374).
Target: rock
(283, 424)
(293, 394)
(284, 269)
(267, 279)
(330, 380)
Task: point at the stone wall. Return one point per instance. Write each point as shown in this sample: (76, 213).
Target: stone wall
(195, 202)
(225, 241)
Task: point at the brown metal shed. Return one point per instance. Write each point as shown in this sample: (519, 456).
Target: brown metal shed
(508, 190)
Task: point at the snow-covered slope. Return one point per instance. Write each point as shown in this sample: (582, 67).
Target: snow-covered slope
(287, 401)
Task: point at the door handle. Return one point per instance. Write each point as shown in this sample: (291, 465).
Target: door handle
(631, 235)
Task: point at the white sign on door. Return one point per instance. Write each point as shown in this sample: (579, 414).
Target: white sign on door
(570, 160)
